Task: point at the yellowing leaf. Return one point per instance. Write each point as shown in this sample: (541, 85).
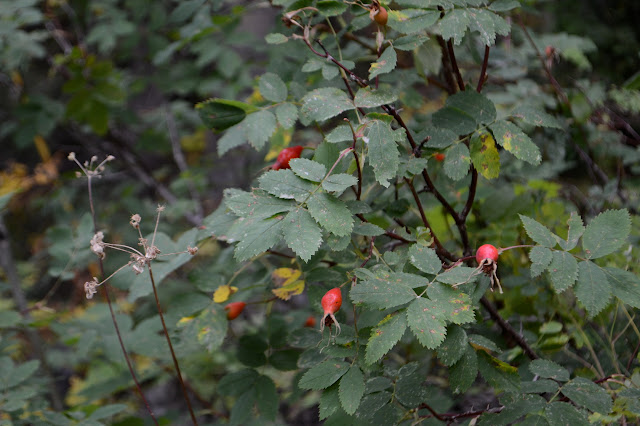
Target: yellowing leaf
(284, 276)
(292, 289)
(287, 283)
(223, 292)
(185, 320)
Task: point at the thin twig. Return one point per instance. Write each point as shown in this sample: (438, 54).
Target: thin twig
(173, 354)
(483, 72)
(113, 315)
(454, 64)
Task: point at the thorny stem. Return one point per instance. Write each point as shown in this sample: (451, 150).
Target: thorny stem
(173, 354)
(439, 247)
(113, 315)
(507, 329)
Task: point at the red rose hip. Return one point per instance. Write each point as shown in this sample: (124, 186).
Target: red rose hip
(234, 309)
(286, 155)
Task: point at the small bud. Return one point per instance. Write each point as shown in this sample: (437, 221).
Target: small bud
(160, 208)
(192, 250)
(72, 156)
(110, 158)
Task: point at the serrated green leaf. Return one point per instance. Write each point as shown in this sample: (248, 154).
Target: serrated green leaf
(563, 271)
(266, 398)
(351, 389)
(235, 136)
(409, 389)
(576, 230)
(606, 233)
(256, 236)
(209, 328)
(587, 394)
(329, 402)
(456, 162)
(340, 134)
(458, 275)
(285, 184)
(538, 232)
(260, 126)
(563, 413)
(321, 104)
(9, 319)
(503, 5)
(593, 289)
(453, 346)
(410, 42)
(384, 337)
(455, 305)
(488, 24)
(541, 258)
(339, 182)
(308, 169)
(549, 370)
(368, 229)
(287, 114)
(464, 372)
(425, 259)
(323, 375)
(479, 341)
(514, 140)
(454, 120)
(276, 38)
(439, 138)
(484, 155)
(500, 375)
(454, 25)
(330, 213)
(257, 204)
(408, 21)
(367, 98)
(385, 63)
(18, 374)
(272, 88)
(331, 7)
(475, 104)
(378, 293)
(383, 152)
(625, 286)
(243, 407)
(220, 114)
(425, 320)
(107, 411)
(302, 234)
(540, 386)
(536, 117)
(237, 383)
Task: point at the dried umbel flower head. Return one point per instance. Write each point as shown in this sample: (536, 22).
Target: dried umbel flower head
(90, 168)
(97, 244)
(90, 287)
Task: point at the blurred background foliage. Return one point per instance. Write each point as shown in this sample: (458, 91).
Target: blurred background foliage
(121, 77)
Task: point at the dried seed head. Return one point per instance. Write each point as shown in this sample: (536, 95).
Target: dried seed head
(135, 220)
(96, 244)
(71, 156)
(90, 287)
(192, 250)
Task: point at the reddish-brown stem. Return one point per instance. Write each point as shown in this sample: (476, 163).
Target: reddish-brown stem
(113, 315)
(556, 86)
(454, 64)
(483, 71)
(439, 247)
(355, 155)
(173, 354)
(446, 65)
(472, 194)
(507, 329)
